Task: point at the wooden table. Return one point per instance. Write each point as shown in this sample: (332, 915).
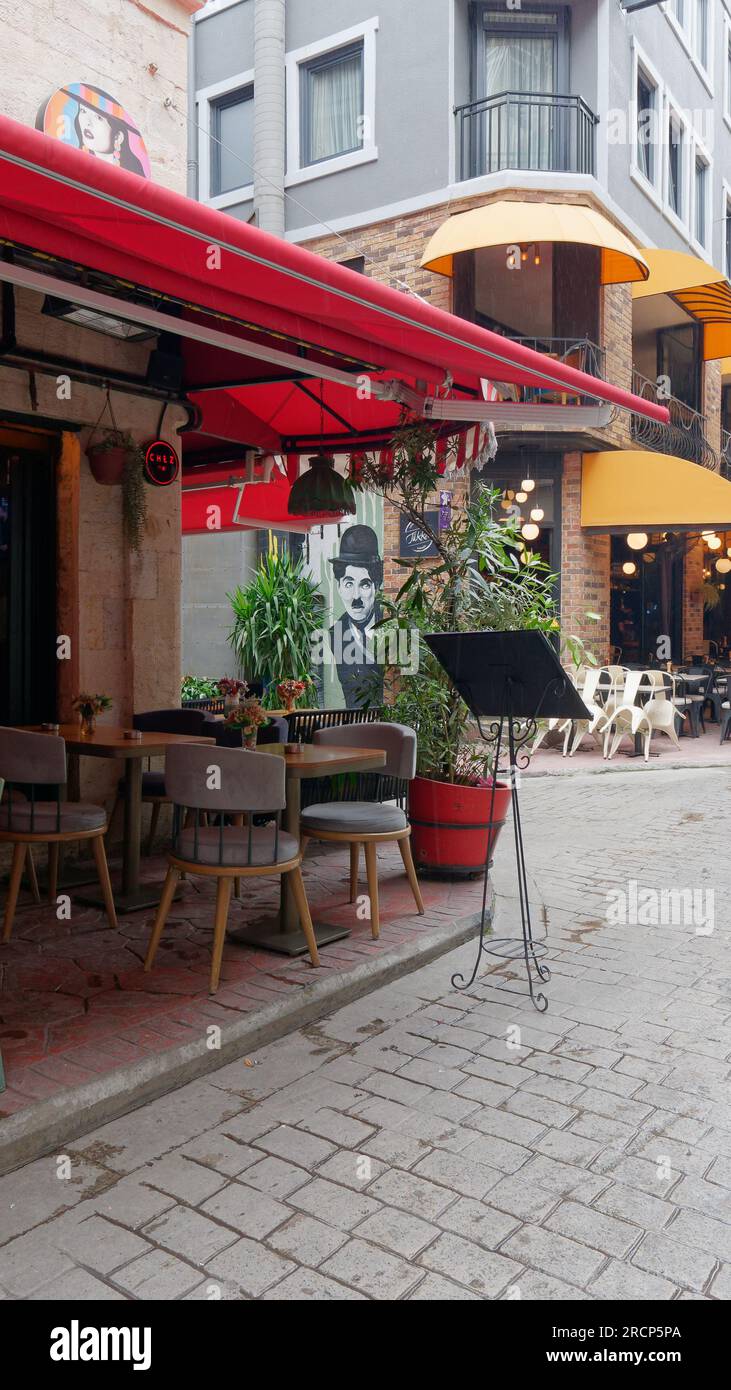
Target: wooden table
(283, 933)
(109, 742)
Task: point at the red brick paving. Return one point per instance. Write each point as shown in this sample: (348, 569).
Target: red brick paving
(76, 1004)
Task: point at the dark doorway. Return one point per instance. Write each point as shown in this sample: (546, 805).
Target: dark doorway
(647, 605)
(27, 581)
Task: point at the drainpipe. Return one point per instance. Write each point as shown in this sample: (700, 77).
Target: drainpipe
(193, 114)
(269, 118)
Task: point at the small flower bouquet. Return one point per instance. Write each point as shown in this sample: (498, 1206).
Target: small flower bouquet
(89, 706)
(290, 691)
(232, 690)
(249, 716)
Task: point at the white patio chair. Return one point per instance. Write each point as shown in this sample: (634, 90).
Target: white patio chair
(563, 725)
(600, 710)
(626, 717)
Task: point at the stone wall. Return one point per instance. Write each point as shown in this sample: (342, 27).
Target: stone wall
(112, 44)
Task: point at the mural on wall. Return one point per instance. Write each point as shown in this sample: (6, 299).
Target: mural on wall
(346, 562)
(92, 120)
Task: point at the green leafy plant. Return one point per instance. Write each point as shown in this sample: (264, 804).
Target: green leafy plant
(275, 618)
(198, 688)
(134, 493)
(481, 578)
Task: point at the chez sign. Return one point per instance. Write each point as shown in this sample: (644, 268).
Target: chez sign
(162, 464)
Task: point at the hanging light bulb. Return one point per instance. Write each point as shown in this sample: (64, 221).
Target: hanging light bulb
(530, 531)
(321, 489)
(527, 485)
(728, 550)
(637, 540)
(714, 542)
(629, 567)
(523, 254)
(723, 565)
(537, 257)
(706, 534)
(537, 514)
(521, 496)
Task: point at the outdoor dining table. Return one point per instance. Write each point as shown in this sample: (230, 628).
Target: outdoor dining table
(109, 742)
(283, 933)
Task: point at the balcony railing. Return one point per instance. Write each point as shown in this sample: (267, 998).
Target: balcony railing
(685, 435)
(726, 453)
(581, 353)
(525, 130)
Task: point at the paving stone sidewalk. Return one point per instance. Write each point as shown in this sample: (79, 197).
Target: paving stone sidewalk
(413, 1146)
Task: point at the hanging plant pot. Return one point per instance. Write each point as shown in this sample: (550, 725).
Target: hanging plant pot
(107, 465)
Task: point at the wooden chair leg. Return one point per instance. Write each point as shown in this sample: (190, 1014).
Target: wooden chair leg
(168, 893)
(154, 818)
(372, 874)
(32, 875)
(354, 856)
(223, 899)
(53, 849)
(237, 887)
(16, 873)
(408, 858)
(303, 909)
(304, 842)
(102, 868)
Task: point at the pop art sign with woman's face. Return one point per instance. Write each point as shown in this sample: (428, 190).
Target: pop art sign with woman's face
(92, 120)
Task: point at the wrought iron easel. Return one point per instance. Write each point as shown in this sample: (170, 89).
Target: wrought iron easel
(519, 733)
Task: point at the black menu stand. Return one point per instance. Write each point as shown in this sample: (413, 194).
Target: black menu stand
(511, 679)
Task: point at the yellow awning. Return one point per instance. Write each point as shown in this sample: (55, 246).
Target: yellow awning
(699, 289)
(639, 490)
(725, 366)
(507, 223)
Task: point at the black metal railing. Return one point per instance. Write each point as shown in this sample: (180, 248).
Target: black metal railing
(525, 130)
(685, 435)
(726, 453)
(581, 353)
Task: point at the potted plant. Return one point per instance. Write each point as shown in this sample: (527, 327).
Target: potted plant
(89, 706)
(482, 577)
(232, 691)
(116, 458)
(290, 691)
(249, 716)
(276, 617)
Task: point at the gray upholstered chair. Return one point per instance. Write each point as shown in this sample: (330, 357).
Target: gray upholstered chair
(158, 721)
(244, 784)
(28, 761)
(368, 823)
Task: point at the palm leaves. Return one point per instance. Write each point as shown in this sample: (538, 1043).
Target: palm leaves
(275, 617)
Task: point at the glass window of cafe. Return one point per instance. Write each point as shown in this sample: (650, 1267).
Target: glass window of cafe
(538, 505)
(646, 597)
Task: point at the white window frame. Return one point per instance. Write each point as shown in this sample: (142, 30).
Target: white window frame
(653, 188)
(705, 71)
(705, 249)
(205, 98)
(726, 83)
(296, 171)
(682, 32)
(725, 213)
(675, 111)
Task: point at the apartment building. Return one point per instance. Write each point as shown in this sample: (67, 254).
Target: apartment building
(558, 172)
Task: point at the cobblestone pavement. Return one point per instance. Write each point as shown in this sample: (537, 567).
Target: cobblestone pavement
(407, 1148)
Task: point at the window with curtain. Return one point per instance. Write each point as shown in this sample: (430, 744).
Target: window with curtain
(521, 58)
(232, 141)
(675, 166)
(332, 104)
(701, 196)
(646, 106)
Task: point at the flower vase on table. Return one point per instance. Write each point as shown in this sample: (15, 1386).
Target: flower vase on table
(233, 691)
(289, 692)
(88, 707)
(249, 717)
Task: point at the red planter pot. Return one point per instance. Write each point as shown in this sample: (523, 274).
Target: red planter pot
(107, 465)
(450, 825)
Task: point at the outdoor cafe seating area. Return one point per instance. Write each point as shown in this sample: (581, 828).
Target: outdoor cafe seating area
(155, 947)
(642, 711)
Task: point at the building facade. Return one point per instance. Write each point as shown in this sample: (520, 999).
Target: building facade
(79, 609)
(360, 131)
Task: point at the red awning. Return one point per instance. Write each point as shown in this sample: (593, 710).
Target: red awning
(266, 325)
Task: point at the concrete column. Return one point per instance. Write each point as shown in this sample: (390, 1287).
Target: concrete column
(269, 114)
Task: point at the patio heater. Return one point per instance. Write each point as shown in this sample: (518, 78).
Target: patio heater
(511, 680)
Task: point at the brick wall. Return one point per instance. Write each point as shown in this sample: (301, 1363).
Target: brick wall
(693, 600)
(585, 567)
